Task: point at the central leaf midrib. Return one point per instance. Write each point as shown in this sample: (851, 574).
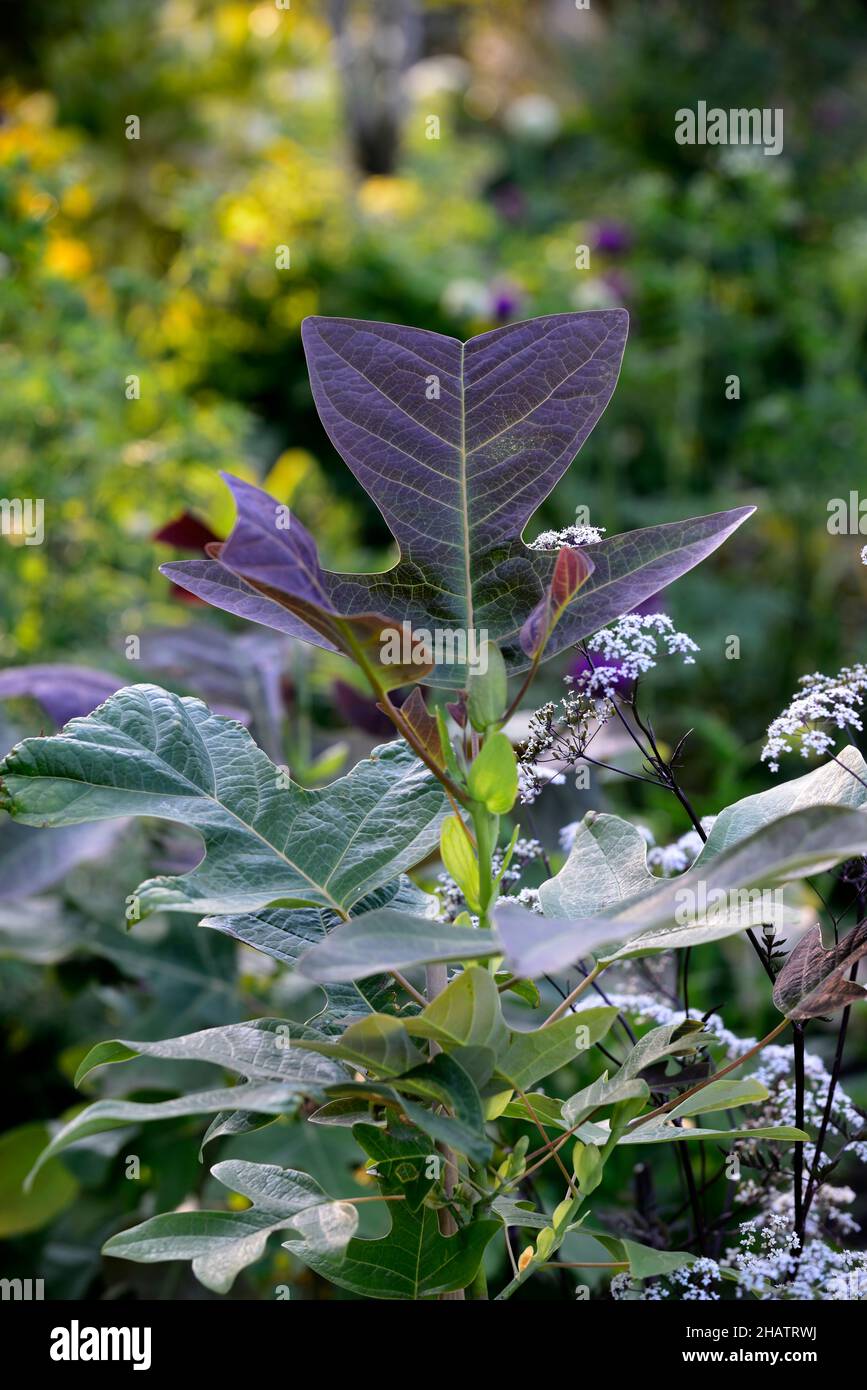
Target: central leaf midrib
(465, 508)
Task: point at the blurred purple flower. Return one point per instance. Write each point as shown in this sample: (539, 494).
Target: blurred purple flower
(505, 301)
(613, 238)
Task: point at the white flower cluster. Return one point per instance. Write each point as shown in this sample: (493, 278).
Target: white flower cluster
(634, 642)
(674, 858)
(823, 703)
(560, 734)
(864, 555)
(775, 1072)
(769, 1266)
(689, 1284)
(526, 897)
(601, 684)
(570, 535)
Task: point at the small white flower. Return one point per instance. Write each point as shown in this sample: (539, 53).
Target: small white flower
(570, 535)
(634, 641)
(824, 703)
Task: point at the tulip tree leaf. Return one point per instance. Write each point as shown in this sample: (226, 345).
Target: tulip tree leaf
(263, 1098)
(266, 1049)
(442, 1081)
(379, 1043)
(607, 865)
(512, 1213)
(222, 1243)
(669, 1040)
(402, 1155)
(793, 845)
(839, 783)
(148, 752)
(532, 1056)
(276, 1073)
(387, 940)
(665, 1131)
(643, 1261)
(547, 1109)
(414, 1261)
(814, 980)
(457, 472)
(467, 1012)
(602, 1092)
(721, 1095)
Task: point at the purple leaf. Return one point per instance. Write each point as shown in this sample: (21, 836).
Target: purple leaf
(572, 569)
(32, 860)
(814, 981)
(278, 563)
(361, 711)
(186, 532)
(64, 692)
(457, 444)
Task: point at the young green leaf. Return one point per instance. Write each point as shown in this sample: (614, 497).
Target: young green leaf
(487, 688)
(532, 1056)
(467, 1012)
(493, 778)
(459, 859)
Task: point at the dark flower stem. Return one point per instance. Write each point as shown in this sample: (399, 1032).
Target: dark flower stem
(798, 1042)
(694, 1198)
(813, 1179)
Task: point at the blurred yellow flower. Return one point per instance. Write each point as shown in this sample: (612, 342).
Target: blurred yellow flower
(36, 202)
(231, 24)
(264, 20)
(68, 257)
(383, 196)
(77, 201)
(290, 468)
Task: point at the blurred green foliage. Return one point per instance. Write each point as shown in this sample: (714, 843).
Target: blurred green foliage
(157, 258)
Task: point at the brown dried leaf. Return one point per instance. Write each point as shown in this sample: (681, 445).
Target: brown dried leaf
(813, 980)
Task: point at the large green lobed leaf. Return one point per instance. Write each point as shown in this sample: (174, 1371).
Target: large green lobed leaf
(146, 752)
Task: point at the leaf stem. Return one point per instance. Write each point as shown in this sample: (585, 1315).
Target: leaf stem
(588, 1264)
(570, 998)
(724, 1071)
(549, 1144)
(410, 989)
